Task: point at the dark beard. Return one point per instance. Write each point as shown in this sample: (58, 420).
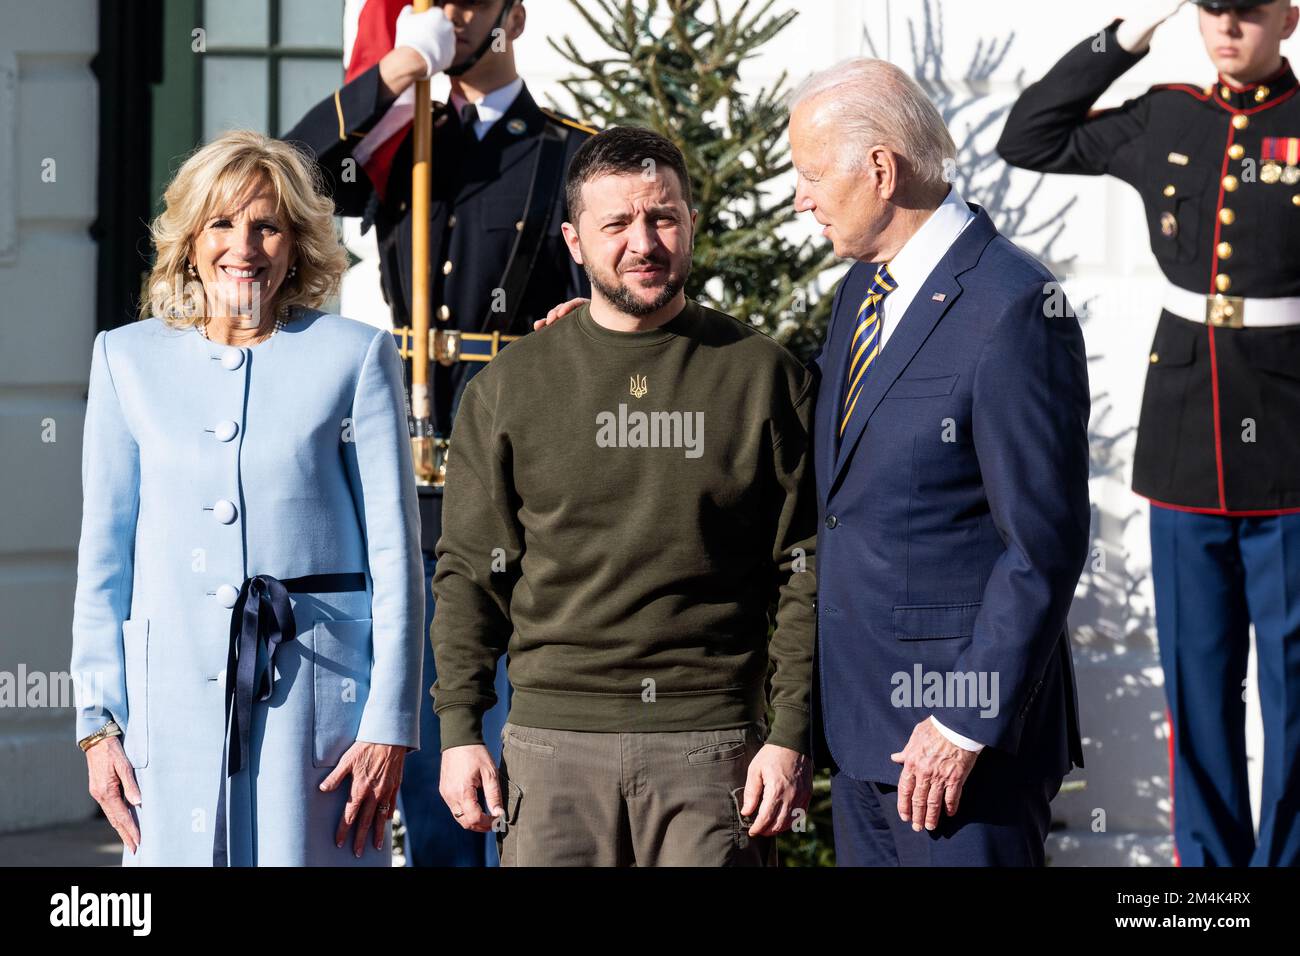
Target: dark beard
(621, 297)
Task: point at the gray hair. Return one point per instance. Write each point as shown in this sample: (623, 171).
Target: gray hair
(876, 103)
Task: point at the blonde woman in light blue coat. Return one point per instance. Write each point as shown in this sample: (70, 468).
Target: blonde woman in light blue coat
(249, 586)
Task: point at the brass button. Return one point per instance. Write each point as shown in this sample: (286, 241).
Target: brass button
(446, 268)
(444, 313)
(1295, 200)
(1209, 90)
(1222, 282)
(1227, 216)
(1225, 92)
(1236, 151)
(1155, 357)
(1230, 183)
(451, 221)
(1169, 190)
(519, 226)
(1224, 249)
(1261, 94)
(1240, 121)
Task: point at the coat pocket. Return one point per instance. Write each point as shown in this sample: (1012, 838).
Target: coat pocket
(1174, 198)
(341, 658)
(932, 622)
(932, 387)
(135, 653)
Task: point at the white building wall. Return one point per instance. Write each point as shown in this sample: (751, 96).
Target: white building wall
(48, 137)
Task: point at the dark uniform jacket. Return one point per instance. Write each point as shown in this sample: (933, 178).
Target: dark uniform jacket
(479, 193)
(1219, 430)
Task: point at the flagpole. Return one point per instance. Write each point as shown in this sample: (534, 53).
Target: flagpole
(421, 406)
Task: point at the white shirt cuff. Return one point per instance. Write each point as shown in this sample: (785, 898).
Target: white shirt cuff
(965, 743)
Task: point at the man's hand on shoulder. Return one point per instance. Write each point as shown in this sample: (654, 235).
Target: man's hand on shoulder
(559, 312)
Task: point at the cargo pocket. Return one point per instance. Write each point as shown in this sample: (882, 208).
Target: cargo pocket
(507, 842)
(716, 751)
(742, 821)
(523, 741)
(341, 658)
(135, 650)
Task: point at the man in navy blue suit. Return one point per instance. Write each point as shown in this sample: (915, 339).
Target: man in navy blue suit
(952, 467)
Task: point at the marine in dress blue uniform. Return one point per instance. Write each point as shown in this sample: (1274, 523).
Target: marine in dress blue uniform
(1218, 447)
(498, 263)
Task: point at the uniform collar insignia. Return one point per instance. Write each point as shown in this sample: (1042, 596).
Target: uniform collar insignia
(1273, 89)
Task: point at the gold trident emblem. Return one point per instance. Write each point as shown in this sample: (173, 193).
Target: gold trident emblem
(639, 387)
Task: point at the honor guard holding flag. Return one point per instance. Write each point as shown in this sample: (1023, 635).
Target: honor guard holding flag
(1218, 444)
(475, 270)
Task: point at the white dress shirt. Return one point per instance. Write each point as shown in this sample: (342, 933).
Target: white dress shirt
(492, 107)
(918, 257)
(910, 268)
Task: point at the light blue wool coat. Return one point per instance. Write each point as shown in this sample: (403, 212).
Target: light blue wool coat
(204, 464)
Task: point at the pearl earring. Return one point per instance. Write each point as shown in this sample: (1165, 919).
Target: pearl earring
(293, 271)
(189, 267)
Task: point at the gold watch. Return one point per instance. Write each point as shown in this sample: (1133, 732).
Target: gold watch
(110, 729)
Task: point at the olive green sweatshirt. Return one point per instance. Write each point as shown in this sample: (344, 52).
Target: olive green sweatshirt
(623, 511)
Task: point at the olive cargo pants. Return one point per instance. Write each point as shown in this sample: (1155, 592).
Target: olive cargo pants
(576, 798)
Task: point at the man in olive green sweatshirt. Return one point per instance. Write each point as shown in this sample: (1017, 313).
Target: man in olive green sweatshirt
(628, 496)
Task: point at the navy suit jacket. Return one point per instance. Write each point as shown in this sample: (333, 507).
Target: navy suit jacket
(955, 516)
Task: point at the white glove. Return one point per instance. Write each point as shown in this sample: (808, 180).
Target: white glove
(429, 34)
(1134, 34)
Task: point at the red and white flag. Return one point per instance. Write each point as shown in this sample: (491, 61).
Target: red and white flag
(376, 31)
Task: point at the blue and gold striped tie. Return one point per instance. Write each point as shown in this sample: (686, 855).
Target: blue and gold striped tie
(865, 345)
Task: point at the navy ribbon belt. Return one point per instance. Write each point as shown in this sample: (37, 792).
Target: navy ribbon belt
(261, 619)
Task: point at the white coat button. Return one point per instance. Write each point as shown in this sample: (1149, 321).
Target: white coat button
(226, 430)
(224, 511)
(232, 359)
(227, 595)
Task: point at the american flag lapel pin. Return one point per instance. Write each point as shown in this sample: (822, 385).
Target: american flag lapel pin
(938, 297)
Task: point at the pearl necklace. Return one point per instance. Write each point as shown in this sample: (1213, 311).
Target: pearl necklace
(279, 324)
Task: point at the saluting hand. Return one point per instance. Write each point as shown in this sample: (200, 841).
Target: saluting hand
(1134, 34)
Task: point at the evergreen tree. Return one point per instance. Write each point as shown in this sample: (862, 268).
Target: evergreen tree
(674, 67)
